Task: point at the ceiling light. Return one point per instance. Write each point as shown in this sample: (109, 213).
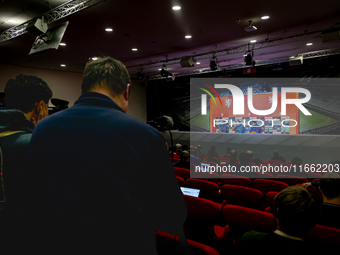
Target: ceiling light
(309, 44)
(108, 29)
(159, 69)
(12, 21)
(251, 27)
(176, 8)
(62, 44)
(94, 58)
(188, 36)
(253, 41)
(198, 63)
(63, 65)
(292, 57)
(265, 17)
(134, 49)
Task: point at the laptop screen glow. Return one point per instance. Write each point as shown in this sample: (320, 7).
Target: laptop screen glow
(190, 192)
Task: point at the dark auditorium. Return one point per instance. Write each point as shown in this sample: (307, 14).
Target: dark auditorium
(169, 127)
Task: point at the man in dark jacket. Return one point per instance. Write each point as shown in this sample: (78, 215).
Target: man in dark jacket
(26, 101)
(108, 181)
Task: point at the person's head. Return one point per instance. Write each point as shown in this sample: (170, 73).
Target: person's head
(199, 148)
(276, 153)
(254, 123)
(330, 186)
(110, 77)
(27, 93)
(184, 156)
(233, 155)
(296, 161)
(250, 153)
(185, 147)
(256, 161)
(244, 158)
(228, 149)
(295, 211)
(193, 152)
(178, 147)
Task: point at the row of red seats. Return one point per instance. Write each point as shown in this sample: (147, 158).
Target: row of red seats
(203, 215)
(237, 189)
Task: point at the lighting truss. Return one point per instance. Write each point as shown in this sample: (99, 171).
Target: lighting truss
(55, 14)
(321, 53)
(238, 49)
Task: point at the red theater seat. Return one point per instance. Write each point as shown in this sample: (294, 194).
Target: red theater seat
(201, 218)
(170, 245)
(242, 196)
(209, 190)
(269, 185)
(241, 219)
(181, 181)
(323, 240)
(182, 172)
(235, 180)
(209, 162)
(270, 197)
(291, 180)
(211, 177)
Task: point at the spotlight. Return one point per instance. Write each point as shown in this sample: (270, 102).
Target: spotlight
(164, 73)
(249, 58)
(213, 63)
(142, 76)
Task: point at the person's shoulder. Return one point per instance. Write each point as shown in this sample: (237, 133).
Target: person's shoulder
(254, 236)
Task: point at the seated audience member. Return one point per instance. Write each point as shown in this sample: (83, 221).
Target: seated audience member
(296, 161)
(184, 160)
(295, 212)
(178, 149)
(329, 187)
(200, 153)
(213, 155)
(251, 154)
(233, 159)
(228, 149)
(278, 157)
(27, 102)
(193, 157)
(244, 158)
(185, 148)
(256, 161)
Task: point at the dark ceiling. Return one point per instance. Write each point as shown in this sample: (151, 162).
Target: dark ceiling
(158, 31)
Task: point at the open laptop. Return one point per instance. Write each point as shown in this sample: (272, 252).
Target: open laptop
(190, 191)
